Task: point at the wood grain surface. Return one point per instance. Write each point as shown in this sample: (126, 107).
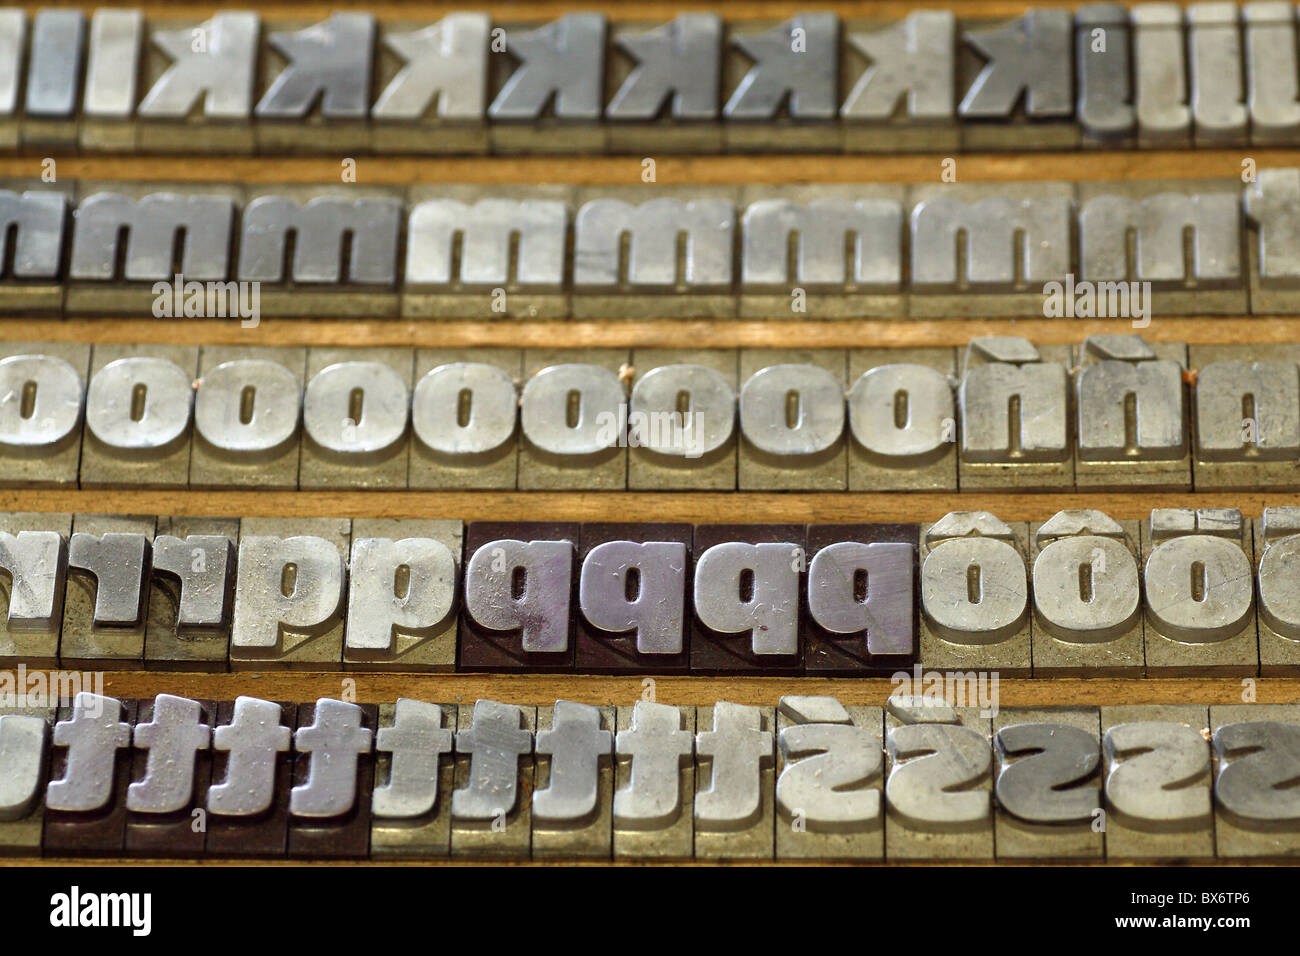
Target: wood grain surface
(773, 507)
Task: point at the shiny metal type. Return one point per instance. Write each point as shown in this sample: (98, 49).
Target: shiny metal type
(329, 63)
(903, 421)
(416, 741)
(1272, 78)
(356, 417)
(638, 587)
(93, 735)
(654, 781)
(252, 739)
(411, 803)
(334, 740)
(1214, 66)
(172, 737)
(702, 428)
(444, 72)
(573, 802)
(911, 61)
(13, 40)
(103, 621)
(491, 809)
(1277, 541)
(524, 587)
(153, 226)
(320, 226)
(653, 232)
(1247, 416)
(400, 596)
(191, 594)
(517, 243)
(677, 65)
(1160, 75)
(1103, 74)
(735, 781)
(1048, 785)
(24, 751)
(803, 81)
(938, 788)
(54, 64)
(975, 593)
(139, 405)
(1256, 758)
(821, 229)
(1025, 60)
(1015, 416)
(829, 773)
(1130, 410)
(45, 424)
(561, 65)
(288, 601)
(246, 417)
(1158, 800)
(203, 566)
(1200, 608)
(112, 73)
(813, 426)
(36, 565)
(571, 409)
(1087, 596)
(751, 589)
(216, 81)
(486, 404)
(39, 220)
(884, 616)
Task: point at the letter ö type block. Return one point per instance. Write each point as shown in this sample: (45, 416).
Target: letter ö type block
(85, 802)
(1277, 537)
(171, 769)
(491, 808)
(939, 782)
(477, 448)
(252, 771)
(1200, 595)
(747, 582)
(1158, 782)
(654, 782)
(402, 579)
(411, 805)
(829, 775)
(105, 607)
(735, 778)
(333, 774)
(356, 419)
(290, 592)
(1246, 416)
(573, 418)
(519, 587)
(33, 575)
(632, 613)
(975, 594)
(573, 803)
(792, 420)
(191, 594)
(24, 762)
(1014, 402)
(1087, 596)
(1131, 409)
(139, 413)
(1048, 786)
(247, 417)
(691, 448)
(903, 419)
(860, 610)
(40, 433)
(1256, 756)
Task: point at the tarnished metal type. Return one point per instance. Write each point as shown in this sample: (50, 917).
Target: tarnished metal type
(1277, 536)
(111, 81)
(919, 779)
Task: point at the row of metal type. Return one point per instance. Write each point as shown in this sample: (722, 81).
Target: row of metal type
(1133, 250)
(810, 778)
(1112, 412)
(1187, 592)
(1155, 75)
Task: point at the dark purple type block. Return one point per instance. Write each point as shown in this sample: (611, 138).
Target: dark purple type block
(746, 601)
(519, 602)
(856, 597)
(648, 585)
(100, 831)
(346, 835)
(262, 834)
(181, 832)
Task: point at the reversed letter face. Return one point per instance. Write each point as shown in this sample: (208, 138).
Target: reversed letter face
(1153, 769)
(625, 586)
(751, 588)
(522, 586)
(827, 769)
